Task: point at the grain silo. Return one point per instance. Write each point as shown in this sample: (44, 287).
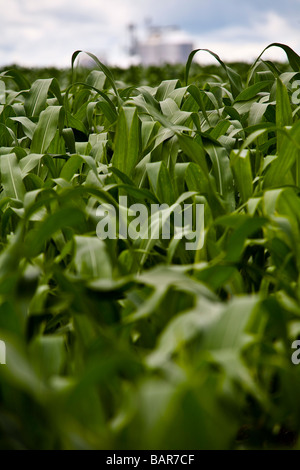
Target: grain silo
(164, 45)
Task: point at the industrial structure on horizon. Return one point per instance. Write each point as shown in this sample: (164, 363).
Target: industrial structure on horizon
(162, 45)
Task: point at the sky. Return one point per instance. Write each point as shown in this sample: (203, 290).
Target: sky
(47, 32)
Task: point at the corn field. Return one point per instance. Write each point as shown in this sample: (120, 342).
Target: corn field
(123, 343)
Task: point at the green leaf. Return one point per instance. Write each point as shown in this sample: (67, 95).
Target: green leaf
(287, 155)
(165, 89)
(61, 219)
(101, 66)
(36, 99)
(11, 177)
(243, 227)
(234, 78)
(50, 120)
(91, 258)
(194, 151)
(292, 56)
(253, 90)
(222, 173)
(49, 355)
(284, 115)
(27, 124)
(241, 166)
(127, 141)
(160, 182)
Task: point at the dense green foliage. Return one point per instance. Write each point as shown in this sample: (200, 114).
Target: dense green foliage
(140, 344)
(133, 75)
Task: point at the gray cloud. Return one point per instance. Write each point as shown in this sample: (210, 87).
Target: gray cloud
(46, 32)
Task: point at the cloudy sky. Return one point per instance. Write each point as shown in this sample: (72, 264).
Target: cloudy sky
(47, 32)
